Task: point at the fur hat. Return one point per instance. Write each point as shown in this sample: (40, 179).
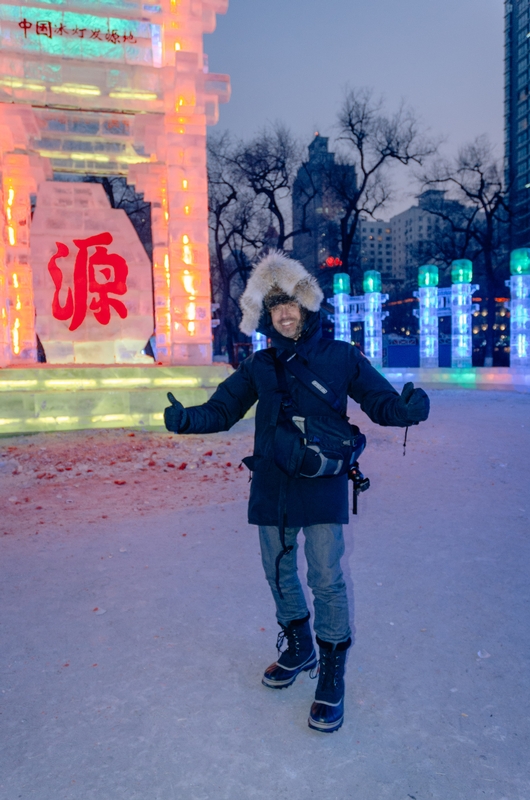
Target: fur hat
(276, 273)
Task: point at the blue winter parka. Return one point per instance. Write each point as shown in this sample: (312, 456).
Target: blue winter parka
(343, 367)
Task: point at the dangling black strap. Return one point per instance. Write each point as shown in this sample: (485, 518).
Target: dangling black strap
(286, 401)
(405, 441)
(282, 379)
(321, 390)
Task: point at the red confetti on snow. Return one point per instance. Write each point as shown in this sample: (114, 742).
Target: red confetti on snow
(95, 665)
(41, 475)
(66, 665)
(228, 464)
(169, 464)
(96, 608)
(183, 465)
(209, 453)
(131, 434)
(120, 483)
(184, 534)
(151, 463)
(38, 508)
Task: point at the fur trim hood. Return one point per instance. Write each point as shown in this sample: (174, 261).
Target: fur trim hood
(277, 270)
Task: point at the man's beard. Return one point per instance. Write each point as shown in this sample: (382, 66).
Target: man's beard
(298, 329)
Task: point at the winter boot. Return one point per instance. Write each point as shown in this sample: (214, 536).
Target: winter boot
(327, 712)
(299, 656)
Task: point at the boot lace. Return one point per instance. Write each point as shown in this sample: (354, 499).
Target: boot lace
(293, 642)
(327, 671)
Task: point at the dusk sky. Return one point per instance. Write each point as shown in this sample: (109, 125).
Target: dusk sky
(290, 60)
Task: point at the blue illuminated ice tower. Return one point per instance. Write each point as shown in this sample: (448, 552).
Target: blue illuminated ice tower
(365, 308)
(461, 313)
(428, 315)
(519, 304)
(342, 302)
(373, 317)
(259, 341)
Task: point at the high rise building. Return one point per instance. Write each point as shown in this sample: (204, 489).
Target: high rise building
(375, 238)
(412, 232)
(315, 208)
(517, 117)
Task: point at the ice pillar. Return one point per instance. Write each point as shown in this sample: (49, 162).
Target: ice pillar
(461, 309)
(428, 315)
(373, 317)
(259, 341)
(341, 301)
(519, 284)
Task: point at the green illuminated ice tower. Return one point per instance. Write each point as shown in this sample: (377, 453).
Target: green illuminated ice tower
(519, 284)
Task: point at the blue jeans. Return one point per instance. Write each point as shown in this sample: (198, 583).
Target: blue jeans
(324, 547)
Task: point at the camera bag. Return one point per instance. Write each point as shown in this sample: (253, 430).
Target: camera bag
(315, 446)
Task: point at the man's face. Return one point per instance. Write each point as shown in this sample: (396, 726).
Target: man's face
(287, 320)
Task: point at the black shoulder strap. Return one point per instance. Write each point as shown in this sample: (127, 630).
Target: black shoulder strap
(311, 381)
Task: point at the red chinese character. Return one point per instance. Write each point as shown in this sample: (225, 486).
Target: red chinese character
(112, 36)
(60, 30)
(77, 31)
(96, 34)
(86, 281)
(26, 25)
(44, 29)
(128, 38)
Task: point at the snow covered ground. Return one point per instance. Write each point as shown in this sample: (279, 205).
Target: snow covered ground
(135, 621)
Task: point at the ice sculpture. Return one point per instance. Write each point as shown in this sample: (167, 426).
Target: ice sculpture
(118, 87)
(461, 311)
(428, 314)
(259, 341)
(519, 305)
(373, 317)
(365, 308)
(102, 308)
(341, 302)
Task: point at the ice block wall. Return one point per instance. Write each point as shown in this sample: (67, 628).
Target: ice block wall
(118, 87)
(101, 276)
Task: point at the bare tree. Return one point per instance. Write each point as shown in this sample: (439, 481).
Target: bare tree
(238, 232)
(476, 226)
(268, 165)
(373, 141)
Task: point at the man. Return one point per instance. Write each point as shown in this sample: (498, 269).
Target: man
(282, 301)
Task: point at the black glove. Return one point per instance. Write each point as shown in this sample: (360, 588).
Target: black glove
(175, 415)
(413, 405)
